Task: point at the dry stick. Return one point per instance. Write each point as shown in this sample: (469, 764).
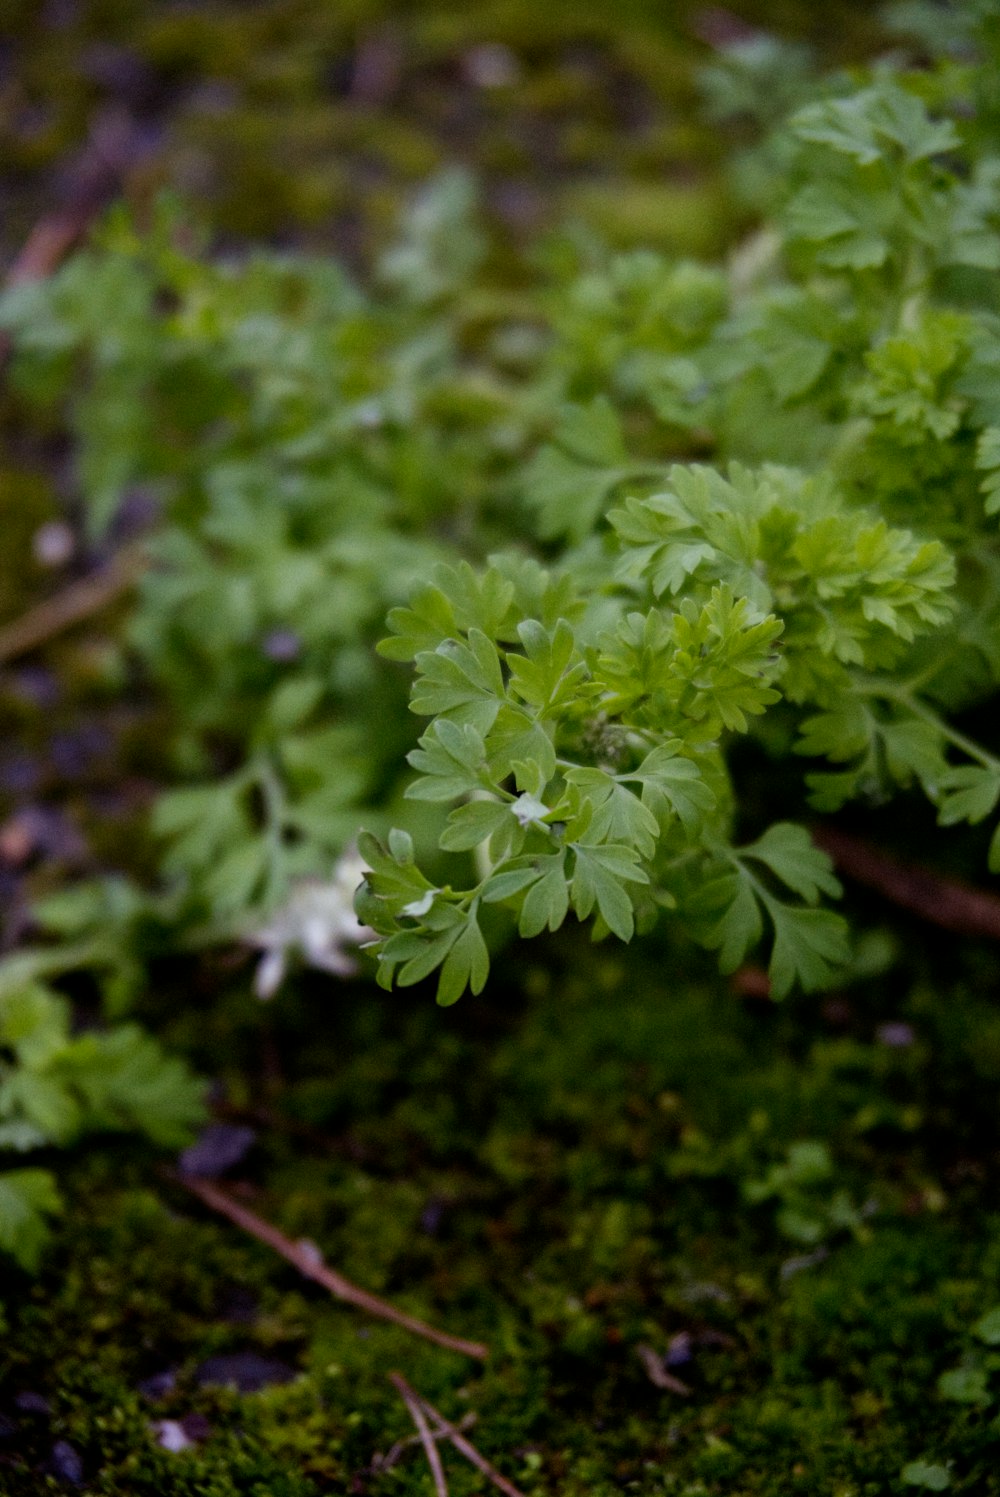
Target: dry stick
(76, 602)
(307, 1260)
(946, 902)
(396, 1452)
(461, 1444)
(98, 174)
(406, 1393)
(658, 1374)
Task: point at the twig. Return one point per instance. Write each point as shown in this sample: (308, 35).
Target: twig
(461, 1444)
(99, 171)
(309, 1263)
(658, 1374)
(76, 602)
(431, 1451)
(945, 902)
(395, 1453)
(112, 148)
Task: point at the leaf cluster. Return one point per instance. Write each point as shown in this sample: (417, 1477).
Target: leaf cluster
(56, 1086)
(651, 509)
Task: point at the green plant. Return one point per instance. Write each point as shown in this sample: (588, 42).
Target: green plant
(968, 1386)
(56, 1086)
(658, 511)
(588, 740)
(808, 1208)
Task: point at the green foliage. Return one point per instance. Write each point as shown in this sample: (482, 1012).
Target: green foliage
(56, 1086)
(584, 1146)
(924, 1474)
(844, 588)
(657, 509)
(654, 537)
(27, 1198)
(808, 1211)
(972, 1386)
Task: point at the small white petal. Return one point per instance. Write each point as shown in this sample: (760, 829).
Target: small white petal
(270, 974)
(315, 936)
(528, 809)
(170, 1434)
(418, 907)
(334, 961)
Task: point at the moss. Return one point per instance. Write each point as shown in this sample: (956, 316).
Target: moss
(561, 1176)
(26, 503)
(256, 110)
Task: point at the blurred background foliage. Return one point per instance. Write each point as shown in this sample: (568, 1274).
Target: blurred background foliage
(304, 122)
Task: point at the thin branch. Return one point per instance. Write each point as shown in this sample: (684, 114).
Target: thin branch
(431, 1451)
(658, 1374)
(461, 1444)
(307, 1259)
(395, 1453)
(944, 902)
(114, 145)
(112, 148)
(71, 606)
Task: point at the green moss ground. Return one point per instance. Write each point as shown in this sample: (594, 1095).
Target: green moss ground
(560, 1172)
(305, 120)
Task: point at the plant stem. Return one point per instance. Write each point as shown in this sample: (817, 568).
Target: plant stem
(273, 794)
(904, 697)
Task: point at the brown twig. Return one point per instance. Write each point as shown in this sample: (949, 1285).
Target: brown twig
(72, 605)
(461, 1444)
(944, 902)
(395, 1453)
(427, 1440)
(95, 178)
(658, 1374)
(309, 1263)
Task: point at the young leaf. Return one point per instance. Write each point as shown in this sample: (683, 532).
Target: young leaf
(451, 762)
(471, 824)
(460, 683)
(672, 785)
(791, 855)
(739, 926)
(616, 814)
(467, 964)
(547, 901)
(27, 1199)
(599, 877)
(968, 792)
(550, 672)
(422, 626)
(810, 947)
(569, 480)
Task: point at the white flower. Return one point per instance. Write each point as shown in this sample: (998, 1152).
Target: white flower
(172, 1435)
(529, 810)
(318, 922)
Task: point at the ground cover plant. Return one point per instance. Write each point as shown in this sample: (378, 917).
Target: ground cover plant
(681, 564)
